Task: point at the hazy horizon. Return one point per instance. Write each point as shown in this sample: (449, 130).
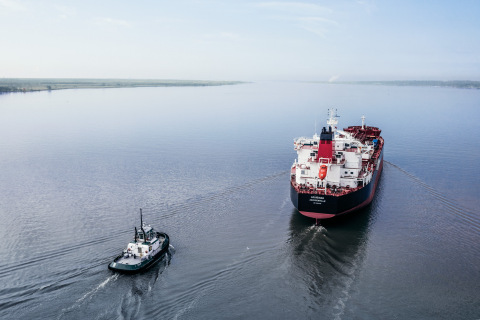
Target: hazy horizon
(245, 41)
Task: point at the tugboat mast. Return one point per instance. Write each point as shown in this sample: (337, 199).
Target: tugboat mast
(141, 225)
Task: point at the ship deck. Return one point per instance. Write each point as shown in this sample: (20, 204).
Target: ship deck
(337, 191)
(131, 261)
(310, 189)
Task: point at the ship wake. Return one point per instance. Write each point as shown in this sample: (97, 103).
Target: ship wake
(455, 208)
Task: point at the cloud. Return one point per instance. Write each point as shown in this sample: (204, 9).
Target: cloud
(368, 6)
(317, 25)
(307, 16)
(221, 36)
(111, 22)
(295, 7)
(65, 11)
(12, 5)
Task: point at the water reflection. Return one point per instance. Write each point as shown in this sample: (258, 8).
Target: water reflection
(327, 258)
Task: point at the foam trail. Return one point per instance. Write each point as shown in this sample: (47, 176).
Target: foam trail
(100, 286)
(89, 294)
(285, 202)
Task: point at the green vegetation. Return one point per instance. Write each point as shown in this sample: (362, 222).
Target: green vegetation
(463, 84)
(27, 85)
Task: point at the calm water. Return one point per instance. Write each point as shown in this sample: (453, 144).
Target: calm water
(209, 166)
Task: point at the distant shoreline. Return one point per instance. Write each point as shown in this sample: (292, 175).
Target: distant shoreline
(12, 85)
(8, 85)
(461, 84)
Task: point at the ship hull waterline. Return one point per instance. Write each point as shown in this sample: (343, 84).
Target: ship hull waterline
(328, 206)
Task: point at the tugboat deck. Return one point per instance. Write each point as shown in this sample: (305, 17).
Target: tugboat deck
(134, 259)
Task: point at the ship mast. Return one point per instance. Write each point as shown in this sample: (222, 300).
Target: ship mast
(332, 121)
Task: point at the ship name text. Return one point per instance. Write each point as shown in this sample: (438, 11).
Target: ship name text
(317, 199)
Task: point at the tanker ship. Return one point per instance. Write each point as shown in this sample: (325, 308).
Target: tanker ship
(337, 171)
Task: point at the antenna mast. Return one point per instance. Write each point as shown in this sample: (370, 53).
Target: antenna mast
(141, 226)
(332, 121)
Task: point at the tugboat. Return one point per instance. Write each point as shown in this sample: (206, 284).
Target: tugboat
(337, 171)
(148, 247)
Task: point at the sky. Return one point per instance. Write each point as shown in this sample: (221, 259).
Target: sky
(341, 40)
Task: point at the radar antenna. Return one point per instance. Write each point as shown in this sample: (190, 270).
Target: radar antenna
(332, 121)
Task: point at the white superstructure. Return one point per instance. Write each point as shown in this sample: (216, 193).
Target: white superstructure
(335, 159)
(145, 246)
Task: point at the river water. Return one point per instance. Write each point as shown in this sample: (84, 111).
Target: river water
(210, 167)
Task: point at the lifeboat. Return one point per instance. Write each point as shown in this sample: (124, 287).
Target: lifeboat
(322, 173)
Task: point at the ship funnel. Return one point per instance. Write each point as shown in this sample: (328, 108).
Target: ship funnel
(325, 147)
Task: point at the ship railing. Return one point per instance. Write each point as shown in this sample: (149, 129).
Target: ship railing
(362, 181)
(325, 160)
(332, 190)
(336, 161)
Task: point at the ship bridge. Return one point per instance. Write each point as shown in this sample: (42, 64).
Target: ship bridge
(147, 234)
